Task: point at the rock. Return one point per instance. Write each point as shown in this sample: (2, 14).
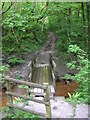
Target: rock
(81, 111)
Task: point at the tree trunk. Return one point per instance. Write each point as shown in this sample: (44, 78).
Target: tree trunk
(69, 20)
(18, 46)
(83, 15)
(88, 19)
(69, 24)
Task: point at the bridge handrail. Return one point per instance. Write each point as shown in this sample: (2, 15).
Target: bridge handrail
(30, 84)
(46, 101)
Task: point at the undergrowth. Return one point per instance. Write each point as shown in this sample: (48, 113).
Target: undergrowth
(80, 63)
(18, 114)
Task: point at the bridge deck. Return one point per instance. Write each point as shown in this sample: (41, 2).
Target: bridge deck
(42, 74)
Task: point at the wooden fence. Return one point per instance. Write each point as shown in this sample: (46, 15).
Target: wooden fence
(31, 85)
(46, 101)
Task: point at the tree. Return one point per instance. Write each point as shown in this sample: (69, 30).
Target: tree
(83, 15)
(88, 18)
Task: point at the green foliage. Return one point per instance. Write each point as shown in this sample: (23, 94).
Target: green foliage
(3, 69)
(68, 26)
(23, 32)
(75, 98)
(15, 61)
(81, 77)
(18, 114)
(25, 87)
(17, 76)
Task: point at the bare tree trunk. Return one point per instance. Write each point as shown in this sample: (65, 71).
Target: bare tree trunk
(88, 19)
(69, 20)
(83, 15)
(18, 47)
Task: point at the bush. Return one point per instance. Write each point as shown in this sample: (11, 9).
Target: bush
(3, 69)
(15, 61)
(18, 114)
(81, 77)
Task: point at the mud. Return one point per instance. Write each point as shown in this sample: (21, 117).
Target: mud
(62, 89)
(3, 96)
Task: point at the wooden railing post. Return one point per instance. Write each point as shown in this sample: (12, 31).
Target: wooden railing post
(53, 69)
(47, 99)
(10, 100)
(29, 71)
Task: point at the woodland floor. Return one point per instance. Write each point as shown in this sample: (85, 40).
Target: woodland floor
(60, 108)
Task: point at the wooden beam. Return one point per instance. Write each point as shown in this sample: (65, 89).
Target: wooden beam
(25, 109)
(9, 97)
(34, 85)
(29, 64)
(26, 98)
(47, 99)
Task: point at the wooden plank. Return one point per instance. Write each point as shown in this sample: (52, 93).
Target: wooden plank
(34, 85)
(41, 75)
(49, 75)
(45, 74)
(38, 74)
(25, 109)
(41, 65)
(38, 94)
(51, 89)
(29, 63)
(26, 98)
(53, 76)
(34, 75)
(47, 81)
(41, 91)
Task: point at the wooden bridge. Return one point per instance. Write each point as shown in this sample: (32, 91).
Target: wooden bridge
(42, 73)
(41, 81)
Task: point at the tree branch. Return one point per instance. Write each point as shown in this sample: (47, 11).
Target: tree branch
(45, 6)
(42, 10)
(3, 5)
(8, 8)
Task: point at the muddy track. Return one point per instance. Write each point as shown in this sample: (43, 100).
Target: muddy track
(21, 71)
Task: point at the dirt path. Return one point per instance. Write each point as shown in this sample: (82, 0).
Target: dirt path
(21, 71)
